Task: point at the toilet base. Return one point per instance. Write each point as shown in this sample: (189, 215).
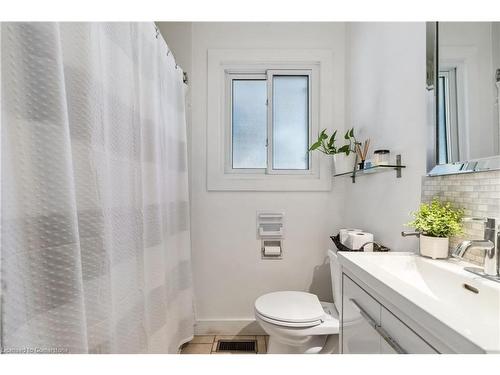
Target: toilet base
(311, 345)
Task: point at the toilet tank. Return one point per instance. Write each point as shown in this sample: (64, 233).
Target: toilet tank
(335, 273)
(349, 313)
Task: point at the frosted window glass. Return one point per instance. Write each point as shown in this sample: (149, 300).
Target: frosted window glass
(290, 122)
(249, 124)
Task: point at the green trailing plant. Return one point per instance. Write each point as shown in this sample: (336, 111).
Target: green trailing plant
(438, 219)
(326, 143)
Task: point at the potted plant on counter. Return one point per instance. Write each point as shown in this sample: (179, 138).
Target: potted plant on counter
(437, 222)
(326, 144)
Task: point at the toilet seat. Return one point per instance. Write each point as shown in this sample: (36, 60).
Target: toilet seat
(329, 324)
(288, 324)
(290, 307)
(298, 311)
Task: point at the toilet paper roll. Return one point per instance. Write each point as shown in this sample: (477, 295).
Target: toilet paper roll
(272, 250)
(357, 239)
(345, 232)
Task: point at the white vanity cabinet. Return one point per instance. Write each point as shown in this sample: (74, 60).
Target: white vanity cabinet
(359, 335)
(374, 328)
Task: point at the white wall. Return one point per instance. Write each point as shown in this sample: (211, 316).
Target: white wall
(229, 273)
(386, 101)
(178, 36)
(385, 93)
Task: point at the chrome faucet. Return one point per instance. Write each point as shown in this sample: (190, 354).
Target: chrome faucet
(460, 250)
(490, 245)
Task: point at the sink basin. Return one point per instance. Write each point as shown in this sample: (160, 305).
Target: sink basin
(468, 304)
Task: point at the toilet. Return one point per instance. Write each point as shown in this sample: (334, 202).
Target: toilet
(298, 322)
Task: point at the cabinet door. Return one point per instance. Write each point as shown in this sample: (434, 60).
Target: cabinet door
(359, 335)
(399, 338)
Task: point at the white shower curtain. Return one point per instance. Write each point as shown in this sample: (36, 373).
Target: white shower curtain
(95, 241)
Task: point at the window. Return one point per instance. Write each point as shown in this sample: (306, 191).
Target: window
(263, 109)
(269, 122)
(447, 132)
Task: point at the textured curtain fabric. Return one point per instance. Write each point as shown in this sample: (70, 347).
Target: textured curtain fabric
(95, 241)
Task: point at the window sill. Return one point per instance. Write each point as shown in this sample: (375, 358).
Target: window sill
(321, 181)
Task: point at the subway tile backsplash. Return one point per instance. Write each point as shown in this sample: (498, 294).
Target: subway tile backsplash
(477, 193)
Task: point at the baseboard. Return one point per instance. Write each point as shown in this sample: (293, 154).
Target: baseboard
(227, 327)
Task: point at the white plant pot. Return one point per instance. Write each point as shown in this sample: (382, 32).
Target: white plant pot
(343, 163)
(434, 247)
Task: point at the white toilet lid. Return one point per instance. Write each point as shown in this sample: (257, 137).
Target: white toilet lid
(294, 307)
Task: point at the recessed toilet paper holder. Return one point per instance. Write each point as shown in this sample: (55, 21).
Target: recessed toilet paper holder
(271, 249)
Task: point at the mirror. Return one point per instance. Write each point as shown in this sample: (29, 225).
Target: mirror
(463, 72)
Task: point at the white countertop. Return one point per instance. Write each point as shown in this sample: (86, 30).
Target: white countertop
(435, 287)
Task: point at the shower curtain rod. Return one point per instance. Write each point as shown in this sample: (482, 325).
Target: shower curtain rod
(185, 78)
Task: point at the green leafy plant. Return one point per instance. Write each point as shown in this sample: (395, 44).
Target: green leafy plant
(326, 143)
(438, 219)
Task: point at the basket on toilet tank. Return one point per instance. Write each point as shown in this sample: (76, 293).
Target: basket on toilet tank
(341, 247)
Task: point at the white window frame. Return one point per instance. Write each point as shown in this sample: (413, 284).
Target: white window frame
(326, 112)
(266, 76)
(451, 109)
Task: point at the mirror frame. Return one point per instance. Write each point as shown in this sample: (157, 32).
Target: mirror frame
(433, 168)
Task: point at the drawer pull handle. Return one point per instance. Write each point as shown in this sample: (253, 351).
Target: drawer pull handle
(382, 332)
(364, 314)
(389, 340)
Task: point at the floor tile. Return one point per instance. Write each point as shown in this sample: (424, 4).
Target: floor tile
(261, 344)
(214, 347)
(197, 349)
(203, 339)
